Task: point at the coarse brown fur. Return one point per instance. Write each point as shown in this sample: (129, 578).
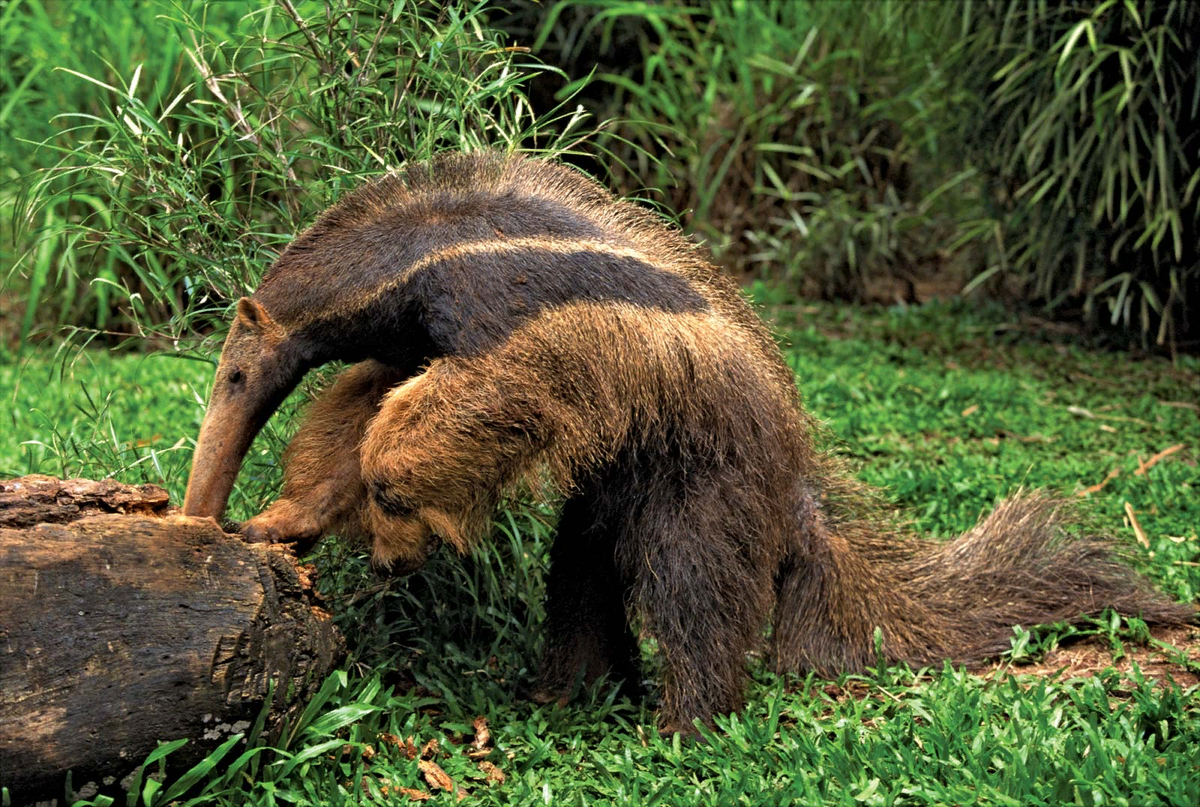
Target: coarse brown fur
(515, 327)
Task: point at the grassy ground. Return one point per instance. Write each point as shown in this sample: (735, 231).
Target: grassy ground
(948, 410)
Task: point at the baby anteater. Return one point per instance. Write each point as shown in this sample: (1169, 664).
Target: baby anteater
(514, 327)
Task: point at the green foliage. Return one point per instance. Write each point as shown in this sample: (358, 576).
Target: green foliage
(157, 154)
(946, 407)
(954, 740)
(1047, 149)
(88, 413)
(43, 45)
(184, 168)
(1086, 126)
(800, 138)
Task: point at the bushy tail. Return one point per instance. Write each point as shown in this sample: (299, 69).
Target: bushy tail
(957, 600)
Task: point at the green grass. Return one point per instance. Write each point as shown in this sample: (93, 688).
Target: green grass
(946, 409)
(94, 414)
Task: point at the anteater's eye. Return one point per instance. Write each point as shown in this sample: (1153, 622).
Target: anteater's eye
(235, 376)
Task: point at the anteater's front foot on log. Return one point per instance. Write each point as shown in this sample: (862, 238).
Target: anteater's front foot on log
(284, 522)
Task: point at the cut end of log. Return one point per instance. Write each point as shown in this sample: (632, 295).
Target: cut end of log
(123, 624)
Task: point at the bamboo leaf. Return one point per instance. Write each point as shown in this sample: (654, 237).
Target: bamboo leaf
(97, 82)
(1131, 9)
(1082, 27)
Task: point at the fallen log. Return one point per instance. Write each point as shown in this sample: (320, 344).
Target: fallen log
(122, 625)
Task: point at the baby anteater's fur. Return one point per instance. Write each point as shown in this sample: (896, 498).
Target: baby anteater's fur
(516, 327)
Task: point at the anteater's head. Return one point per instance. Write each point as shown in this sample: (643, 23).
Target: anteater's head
(260, 364)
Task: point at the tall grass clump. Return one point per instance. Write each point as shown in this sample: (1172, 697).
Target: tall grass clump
(43, 46)
(800, 138)
(1088, 131)
(178, 177)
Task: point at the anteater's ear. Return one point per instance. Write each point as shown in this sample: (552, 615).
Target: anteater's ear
(253, 316)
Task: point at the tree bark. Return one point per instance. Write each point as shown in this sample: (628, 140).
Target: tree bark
(122, 625)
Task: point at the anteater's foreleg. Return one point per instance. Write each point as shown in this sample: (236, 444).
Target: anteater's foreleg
(444, 447)
(322, 477)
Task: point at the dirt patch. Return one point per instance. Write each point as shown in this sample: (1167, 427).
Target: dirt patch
(1090, 657)
(1081, 658)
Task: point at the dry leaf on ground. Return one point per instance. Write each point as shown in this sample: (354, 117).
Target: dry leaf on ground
(494, 774)
(406, 746)
(438, 778)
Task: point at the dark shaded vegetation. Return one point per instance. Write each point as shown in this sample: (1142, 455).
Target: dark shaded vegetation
(1039, 153)
(1087, 133)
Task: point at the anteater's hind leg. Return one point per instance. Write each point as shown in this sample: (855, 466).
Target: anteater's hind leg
(703, 585)
(832, 596)
(587, 629)
(815, 629)
(322, 479)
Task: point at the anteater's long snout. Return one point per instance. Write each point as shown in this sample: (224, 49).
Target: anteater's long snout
(259, 366)
(225, 437)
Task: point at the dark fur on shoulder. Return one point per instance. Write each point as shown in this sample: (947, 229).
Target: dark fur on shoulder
(517, 328)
